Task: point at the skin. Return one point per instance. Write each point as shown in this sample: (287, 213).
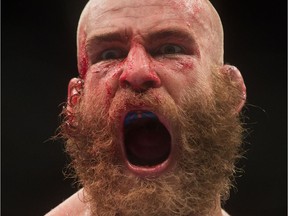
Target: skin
(139, 36)
(139, 67)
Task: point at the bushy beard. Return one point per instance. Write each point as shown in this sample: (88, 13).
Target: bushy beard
(207, 132)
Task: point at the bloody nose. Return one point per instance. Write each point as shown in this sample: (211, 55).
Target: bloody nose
(138, 73)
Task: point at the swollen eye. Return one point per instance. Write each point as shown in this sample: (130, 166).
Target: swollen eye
(170, 49)
(111, 54)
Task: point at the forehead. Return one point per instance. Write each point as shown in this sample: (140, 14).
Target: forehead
(141, 15)
(102, 6)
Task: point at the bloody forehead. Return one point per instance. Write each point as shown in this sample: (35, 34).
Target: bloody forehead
(82, 54)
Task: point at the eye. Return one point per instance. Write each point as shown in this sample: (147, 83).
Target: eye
(170, 49)
(112, 54)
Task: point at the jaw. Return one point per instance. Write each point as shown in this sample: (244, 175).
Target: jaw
(146, 143)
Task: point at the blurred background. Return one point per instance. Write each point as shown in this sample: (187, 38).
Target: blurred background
(39, 58)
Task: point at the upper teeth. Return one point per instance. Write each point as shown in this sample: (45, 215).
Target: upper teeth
(133, 116)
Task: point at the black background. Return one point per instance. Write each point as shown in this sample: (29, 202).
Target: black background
(39, 58)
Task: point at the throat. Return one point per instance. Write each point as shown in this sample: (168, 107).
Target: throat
(147, 143)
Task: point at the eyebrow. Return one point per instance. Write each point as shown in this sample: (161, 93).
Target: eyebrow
(150, 38)
(107, 38)
(170, 33)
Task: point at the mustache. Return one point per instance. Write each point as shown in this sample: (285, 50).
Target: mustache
(152, 100)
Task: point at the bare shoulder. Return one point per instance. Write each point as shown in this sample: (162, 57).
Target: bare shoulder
(224, 213)
(73, 206)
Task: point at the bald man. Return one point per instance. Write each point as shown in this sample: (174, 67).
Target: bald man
(152, 123)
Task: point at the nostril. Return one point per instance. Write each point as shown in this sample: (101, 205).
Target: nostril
(139, 79)
(145, 86)
(140, 88)
(148, 84)
(125, 84)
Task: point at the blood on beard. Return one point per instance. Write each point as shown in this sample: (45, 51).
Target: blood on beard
(208, 138)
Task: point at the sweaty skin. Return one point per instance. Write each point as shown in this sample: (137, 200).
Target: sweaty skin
(168, 45)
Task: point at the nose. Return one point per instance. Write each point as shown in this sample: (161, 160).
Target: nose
(138, 73)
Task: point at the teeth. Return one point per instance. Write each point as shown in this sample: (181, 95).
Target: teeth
(133, 116)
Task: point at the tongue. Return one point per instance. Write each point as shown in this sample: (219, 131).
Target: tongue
(147, 143)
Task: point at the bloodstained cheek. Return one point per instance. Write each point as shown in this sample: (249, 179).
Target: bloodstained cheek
(111, 86)
(108, 89)
(186, 65)
(82, 55)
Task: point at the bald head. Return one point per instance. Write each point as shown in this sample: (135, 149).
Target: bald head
(199, 16)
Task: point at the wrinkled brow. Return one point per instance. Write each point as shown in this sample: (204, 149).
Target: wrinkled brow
(107, 37)
(170, 33)
(152, 37)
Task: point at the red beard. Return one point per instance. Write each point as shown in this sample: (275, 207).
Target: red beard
(208, 136)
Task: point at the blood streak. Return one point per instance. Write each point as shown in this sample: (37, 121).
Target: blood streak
(186, 65)
(82, 55)
(108, 89)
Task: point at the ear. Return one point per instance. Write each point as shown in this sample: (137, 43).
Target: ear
(74, 91)
(235, 76)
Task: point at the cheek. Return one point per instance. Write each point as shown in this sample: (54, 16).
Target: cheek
(102, 70)
(182, 66)
(178, 75)
(98, 96)
(109, 90)
(102, 82)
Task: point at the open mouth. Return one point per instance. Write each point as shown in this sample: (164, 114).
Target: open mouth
(147, 142)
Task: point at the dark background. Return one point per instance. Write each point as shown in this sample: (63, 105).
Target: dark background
(39, 58)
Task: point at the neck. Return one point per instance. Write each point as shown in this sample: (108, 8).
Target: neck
(217, 211)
